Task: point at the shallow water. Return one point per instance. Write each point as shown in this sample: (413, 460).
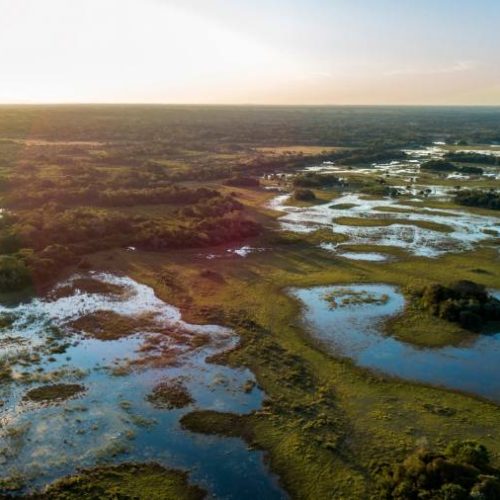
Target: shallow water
(112, 421)
(368, 256)
(354, 330)
(243, 251)
(409, 167)
(466, 229)
(337, 248)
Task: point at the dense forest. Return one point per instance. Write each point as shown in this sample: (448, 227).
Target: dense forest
(173, 127)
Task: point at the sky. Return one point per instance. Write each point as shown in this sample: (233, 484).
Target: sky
(438, 52)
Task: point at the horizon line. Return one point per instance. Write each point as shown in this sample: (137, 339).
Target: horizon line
(241, 104)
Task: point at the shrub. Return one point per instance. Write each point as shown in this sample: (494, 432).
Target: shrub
(460, 473)
(478, 198)
(438, 166)
(463, 302)
(304, 195)
(315, 180)
(243, 181)
(14, 274)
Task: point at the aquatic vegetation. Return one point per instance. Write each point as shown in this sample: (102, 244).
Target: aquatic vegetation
(5, 370)
(425, 232)
(108, 325)
(54, 393)
(113, 418)
(381, 222)
(170, 394)
(342, 297)
(86, 285)
(126, 481)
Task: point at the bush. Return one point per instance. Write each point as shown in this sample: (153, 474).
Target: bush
(242, 181)
(314, 180)
(304, 195)
(478, 198)
(461, 472)
(438, 166)
(466, 157)
(14, 274)
(469, 452)
(463, 302)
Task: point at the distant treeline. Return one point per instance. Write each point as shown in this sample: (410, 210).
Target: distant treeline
(176, 127)
(373, 155)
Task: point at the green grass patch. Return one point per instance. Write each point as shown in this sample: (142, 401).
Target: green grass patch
(54, 392)
(374, 222)
(137, 481)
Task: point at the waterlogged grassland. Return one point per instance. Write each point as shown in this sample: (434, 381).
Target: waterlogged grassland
(374, 222)
(297, 149)
(138, 481)
(325, 418)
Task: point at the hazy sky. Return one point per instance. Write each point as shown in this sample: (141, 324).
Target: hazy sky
(251, 51)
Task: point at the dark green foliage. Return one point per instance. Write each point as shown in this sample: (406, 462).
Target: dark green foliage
(478, 198)
(446, 166)
(463, 302)
(379, 190)
(53, 221)
(14, 274)
(469, 452)
(243, 181)
(469, 169)
(461, 472)
(439, 166)
(304, 195)
(169, 128)
(470, 157)
(314, 180)
(373, 155)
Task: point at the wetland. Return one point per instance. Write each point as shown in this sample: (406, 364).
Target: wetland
(175, 322)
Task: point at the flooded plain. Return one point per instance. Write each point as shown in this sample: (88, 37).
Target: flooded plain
(348, 320)
(408, 168)
(418, 230)
(117, 343)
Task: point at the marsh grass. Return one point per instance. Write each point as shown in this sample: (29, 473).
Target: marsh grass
(54, 393)
(170, 394)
